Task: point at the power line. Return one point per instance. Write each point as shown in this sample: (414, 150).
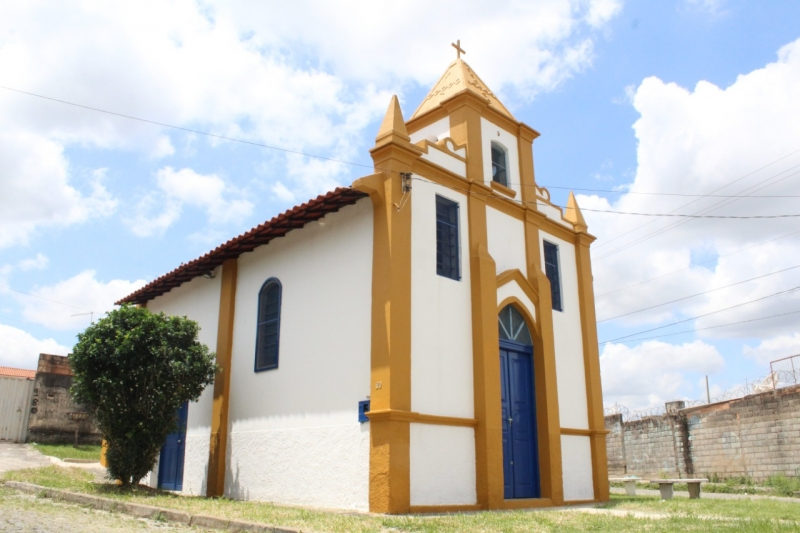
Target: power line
(714, 191)
(43, 298)
(700, 263)
(709, 327)
(686, 216)
(671, 193)
(698, 294)
(711, 208)
(189, 130)
(703, 315)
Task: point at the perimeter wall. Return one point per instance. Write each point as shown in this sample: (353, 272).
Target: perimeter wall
(756, 436)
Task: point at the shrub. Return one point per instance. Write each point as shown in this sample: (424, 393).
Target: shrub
(133, 370)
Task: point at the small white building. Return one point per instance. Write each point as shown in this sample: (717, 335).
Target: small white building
(423, 340)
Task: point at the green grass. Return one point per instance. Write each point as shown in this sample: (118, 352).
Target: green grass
(68, 451)
(783, 485)
(675, 515)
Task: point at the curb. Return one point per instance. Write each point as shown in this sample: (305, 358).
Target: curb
(147, 511)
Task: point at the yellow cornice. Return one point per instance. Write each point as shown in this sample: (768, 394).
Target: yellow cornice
(399, 415)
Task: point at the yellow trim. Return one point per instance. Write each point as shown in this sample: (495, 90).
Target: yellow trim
(390, 386)
(218, 443)
(515, 275)
(591, 363)
(584, 432)
(419, 418)
(441, 146)
(430, 509)
(103, 450)
(527, 503)
(502, 189)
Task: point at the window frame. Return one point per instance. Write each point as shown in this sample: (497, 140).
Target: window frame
(553, 271)
(502, 149)
(455, 228)
(259, 323)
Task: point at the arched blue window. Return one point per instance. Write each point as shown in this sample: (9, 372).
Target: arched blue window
(269, 325)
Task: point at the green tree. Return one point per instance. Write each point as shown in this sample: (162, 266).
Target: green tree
(133, 370)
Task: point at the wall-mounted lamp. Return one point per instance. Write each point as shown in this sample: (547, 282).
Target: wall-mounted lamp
(209, 275)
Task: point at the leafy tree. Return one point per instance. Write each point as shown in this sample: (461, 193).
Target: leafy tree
(133, 370)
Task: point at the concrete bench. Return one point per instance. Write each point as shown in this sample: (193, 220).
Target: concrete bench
(665, 486)
(630, 483)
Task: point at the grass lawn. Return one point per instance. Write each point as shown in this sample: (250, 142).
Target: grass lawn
(675, 515)
(68, 451)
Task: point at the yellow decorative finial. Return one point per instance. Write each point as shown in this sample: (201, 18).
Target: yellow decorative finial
(459, 50)
(573, 214)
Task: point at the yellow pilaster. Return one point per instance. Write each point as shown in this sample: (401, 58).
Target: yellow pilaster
(218, 445)
(389, 486)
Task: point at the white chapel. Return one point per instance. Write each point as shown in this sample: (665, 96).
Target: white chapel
(423, 340)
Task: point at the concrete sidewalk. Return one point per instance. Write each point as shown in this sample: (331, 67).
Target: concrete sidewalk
(15, 456)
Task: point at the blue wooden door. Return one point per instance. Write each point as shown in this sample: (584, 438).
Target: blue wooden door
(170, 464)
(520, 446)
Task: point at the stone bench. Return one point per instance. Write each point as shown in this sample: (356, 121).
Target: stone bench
(630, 483)
(665, 486)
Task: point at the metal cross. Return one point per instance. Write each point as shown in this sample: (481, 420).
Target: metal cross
(459, 50)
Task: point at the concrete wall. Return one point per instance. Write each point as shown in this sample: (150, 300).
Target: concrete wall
(54, 416)
(294, 431)
(757, 436)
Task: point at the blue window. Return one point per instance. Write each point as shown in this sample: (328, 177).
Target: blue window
(269, 325)
(499, 164)
(447, 258)
(552, 272)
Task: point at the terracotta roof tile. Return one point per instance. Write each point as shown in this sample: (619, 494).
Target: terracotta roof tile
(8, 372)
(294, 218)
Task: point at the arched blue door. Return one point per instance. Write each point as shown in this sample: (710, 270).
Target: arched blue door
(170, 463)
(520, 443)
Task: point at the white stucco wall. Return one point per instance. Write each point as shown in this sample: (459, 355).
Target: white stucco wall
(442, 465)
(198, 300)
(441, 314)
(294, 434)
(570, 374)
(553, 213)
(446, 161)
(492, 132)
(506, 241)
(432, 132)
(576, 464)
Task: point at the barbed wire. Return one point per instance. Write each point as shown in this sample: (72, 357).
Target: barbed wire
(778, 378)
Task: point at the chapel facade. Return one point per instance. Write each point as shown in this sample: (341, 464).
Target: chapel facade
(421, 341)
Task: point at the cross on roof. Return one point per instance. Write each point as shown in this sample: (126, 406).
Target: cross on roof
(459, 50)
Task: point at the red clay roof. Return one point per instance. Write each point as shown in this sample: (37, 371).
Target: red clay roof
(294, 218)
(8, 372)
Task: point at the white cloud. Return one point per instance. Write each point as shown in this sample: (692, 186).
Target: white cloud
(35, 188)
(82, 293)
(222, 202)
(35, 263)
(21, 349)
(654, 372)
(774, 348)
(732, 140)
(257, 71)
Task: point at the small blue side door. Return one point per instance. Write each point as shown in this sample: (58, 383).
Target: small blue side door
(520, 443)
(170, 464)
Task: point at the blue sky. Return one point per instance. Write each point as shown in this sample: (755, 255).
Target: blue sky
(680, 97)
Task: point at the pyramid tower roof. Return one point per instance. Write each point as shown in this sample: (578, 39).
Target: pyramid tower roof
(459, 76)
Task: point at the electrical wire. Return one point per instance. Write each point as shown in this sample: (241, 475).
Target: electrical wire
(698, 294)
(43, 298)
(699, 263)
(703, 315)
(670, 193)
(709, 327)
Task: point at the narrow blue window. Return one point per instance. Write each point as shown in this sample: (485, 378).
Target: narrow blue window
(447, 257)
(269, 325)
(552, 272)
